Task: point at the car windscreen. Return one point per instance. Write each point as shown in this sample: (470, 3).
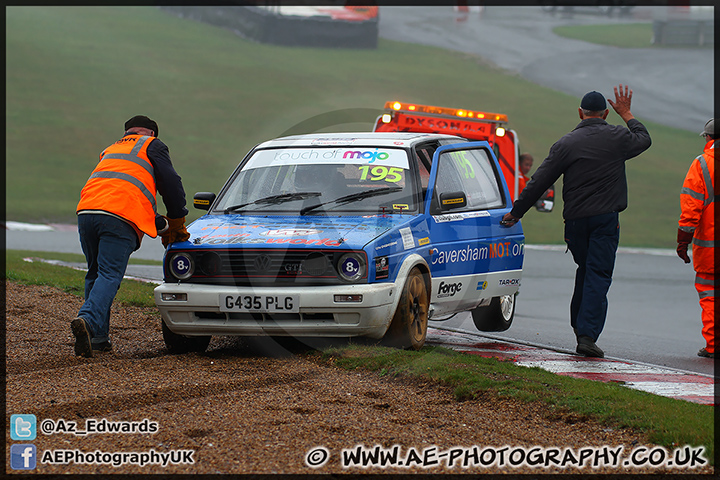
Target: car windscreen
(338, 180)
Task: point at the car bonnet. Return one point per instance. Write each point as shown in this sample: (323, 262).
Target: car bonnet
(283, 231)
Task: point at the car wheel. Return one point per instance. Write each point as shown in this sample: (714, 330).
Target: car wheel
(496, 317)
(182, 343)
(409, 324)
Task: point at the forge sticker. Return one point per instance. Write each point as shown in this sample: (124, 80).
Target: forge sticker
(448, 289)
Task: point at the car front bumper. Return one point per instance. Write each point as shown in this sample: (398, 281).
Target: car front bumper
(318, 313)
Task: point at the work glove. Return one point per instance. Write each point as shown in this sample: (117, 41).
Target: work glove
(683, 240)
(176, 231)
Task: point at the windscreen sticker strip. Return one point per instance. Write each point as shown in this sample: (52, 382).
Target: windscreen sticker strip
(387, 157)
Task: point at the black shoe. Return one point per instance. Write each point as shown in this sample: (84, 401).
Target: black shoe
(105, 346)
(586, 346)
(705, 353)
(82, 338)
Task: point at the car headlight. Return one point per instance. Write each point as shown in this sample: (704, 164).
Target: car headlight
(351, 267)
(315, 264)
(181, 266)
(210, 263)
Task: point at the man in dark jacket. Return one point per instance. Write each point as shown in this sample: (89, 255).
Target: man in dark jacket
(591, 159)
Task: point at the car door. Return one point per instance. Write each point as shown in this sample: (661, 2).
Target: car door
(473, 257)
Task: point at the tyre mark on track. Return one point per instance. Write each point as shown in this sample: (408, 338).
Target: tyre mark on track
(98, 407)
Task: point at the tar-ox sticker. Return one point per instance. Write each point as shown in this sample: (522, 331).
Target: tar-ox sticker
(291, 232)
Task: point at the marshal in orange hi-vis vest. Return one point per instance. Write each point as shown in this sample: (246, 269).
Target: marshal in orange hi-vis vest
(697, 202)
(123, 183)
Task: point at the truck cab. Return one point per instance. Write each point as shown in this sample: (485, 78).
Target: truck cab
(470, 124)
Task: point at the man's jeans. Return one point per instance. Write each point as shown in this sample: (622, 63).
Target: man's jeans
(593, 242)
(107, 243)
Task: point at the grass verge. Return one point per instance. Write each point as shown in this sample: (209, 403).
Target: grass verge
(667, 422)
(131, 292)
(627, 35)
(216, 95)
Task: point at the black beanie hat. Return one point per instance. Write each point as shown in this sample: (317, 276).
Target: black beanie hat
(142, 121)
(593, 102)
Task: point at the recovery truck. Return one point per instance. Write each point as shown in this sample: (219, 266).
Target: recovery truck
(469, 124)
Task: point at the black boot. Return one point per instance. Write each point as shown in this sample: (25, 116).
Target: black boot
(586, 346)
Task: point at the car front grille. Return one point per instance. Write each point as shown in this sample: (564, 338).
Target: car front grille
(250, 266)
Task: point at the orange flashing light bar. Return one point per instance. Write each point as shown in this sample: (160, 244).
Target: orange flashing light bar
(453, 112)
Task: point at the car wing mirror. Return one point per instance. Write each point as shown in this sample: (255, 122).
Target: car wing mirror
(203, 200)
(452, 200)
(547, 201)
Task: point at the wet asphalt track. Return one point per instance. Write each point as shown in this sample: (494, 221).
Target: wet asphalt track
(653, 314)
(672, 86)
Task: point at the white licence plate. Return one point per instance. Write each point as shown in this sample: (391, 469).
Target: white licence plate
(259, 303)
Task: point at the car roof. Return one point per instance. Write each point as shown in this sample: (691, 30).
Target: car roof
(374, 139)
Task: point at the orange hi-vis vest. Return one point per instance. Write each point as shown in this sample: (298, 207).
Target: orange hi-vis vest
(697, 203)
(123, 183)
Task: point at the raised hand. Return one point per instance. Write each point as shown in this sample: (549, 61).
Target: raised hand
(621, 105)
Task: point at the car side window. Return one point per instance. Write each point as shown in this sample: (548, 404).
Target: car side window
(472, 172)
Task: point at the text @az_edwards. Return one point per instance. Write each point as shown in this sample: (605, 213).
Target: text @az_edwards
(97, 426)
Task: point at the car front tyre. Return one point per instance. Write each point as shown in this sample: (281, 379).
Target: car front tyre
(408, 328)
(496, 317)
(176, 343)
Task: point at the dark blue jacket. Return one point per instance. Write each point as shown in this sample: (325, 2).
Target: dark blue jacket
(591, 159)
(168, 182)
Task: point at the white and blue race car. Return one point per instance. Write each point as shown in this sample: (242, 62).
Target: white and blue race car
(346, 234)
